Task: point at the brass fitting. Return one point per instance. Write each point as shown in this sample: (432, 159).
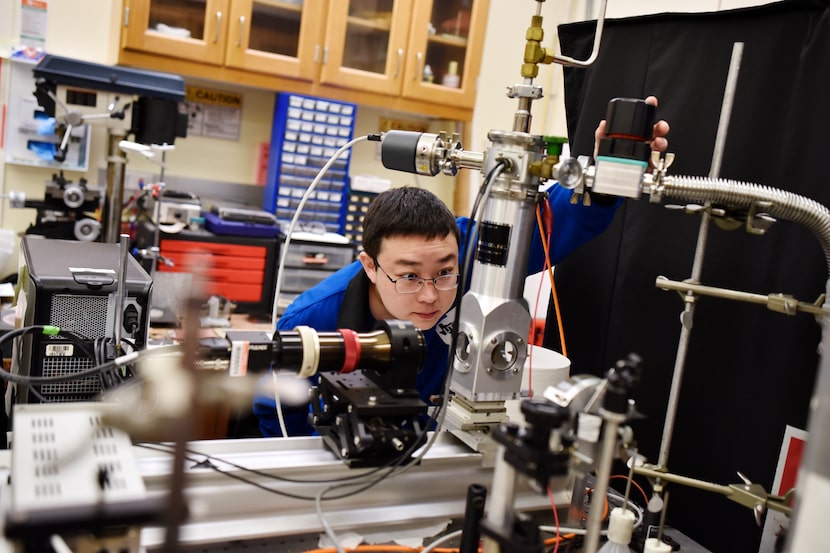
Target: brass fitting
(535, 53)
(544, 167)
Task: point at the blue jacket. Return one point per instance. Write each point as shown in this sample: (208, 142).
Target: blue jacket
(341, 301)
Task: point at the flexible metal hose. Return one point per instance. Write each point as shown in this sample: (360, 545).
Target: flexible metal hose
(782, 204)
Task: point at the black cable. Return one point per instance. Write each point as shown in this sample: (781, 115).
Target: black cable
(401, 463)
(163, 448)
(464, 270)
(24, 379)
(282, 478)
(34, 391)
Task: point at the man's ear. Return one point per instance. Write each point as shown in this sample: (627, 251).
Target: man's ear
(368, 266)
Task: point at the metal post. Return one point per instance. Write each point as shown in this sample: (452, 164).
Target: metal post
(114, 199)
(688, 313)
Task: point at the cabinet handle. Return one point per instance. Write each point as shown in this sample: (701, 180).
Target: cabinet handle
(420, 70)
(241, 30)
(316, 53)
(400, 62)
(126, 16)
(218, 25)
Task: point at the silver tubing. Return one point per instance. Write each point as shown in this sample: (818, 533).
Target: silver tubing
(571, 62)
(776, 203)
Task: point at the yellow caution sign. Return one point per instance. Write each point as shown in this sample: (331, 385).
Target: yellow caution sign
(220, 98)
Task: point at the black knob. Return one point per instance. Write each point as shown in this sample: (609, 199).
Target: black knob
(630, 118)
(629, 125)
(543, 414)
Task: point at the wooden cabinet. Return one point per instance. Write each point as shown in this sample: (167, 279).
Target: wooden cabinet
(192, 30)
(448, 36)
(386, 53)
(276, 37)
(271, 36)
(406, 47)
(366, 44)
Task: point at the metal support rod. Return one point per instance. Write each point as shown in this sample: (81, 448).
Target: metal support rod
(121, 290)
(183, 428)
(156, 249)
(776, 302)
(609, 442)
(500, 507)
(682, 480)
(688, 313)
(116, 163)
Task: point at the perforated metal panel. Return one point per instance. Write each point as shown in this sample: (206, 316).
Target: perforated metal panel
(86, 315)
(74, 390)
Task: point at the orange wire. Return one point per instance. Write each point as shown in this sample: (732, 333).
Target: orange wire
(382, 549)
(543, 233)
(604, 507)
(557, 540)
(636, 485)
(558, 537)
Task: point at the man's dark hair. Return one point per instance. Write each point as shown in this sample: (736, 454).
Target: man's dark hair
(406, 211)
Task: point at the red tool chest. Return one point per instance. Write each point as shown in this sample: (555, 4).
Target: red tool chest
(240, 268)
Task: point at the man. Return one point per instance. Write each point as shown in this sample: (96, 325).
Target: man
(408, 270)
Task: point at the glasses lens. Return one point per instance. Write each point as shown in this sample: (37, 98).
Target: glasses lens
(408, 285)
(446, 282)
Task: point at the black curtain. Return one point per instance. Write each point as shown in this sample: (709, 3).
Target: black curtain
(749, 371)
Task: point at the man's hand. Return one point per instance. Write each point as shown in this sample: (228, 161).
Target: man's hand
(659, 142)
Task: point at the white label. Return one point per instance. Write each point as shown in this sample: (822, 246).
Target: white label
(60, 350)
(239, 359)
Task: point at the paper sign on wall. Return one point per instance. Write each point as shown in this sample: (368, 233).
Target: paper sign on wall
(213, 113)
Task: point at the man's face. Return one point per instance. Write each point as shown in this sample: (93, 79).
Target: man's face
(411, 256)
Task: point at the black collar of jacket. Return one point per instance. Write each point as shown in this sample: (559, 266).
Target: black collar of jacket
(354, 311)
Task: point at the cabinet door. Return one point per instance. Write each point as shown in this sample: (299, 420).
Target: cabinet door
(365, 41)
(444, 51)
(190, 29)
(282, 37)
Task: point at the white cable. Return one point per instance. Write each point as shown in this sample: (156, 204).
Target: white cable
(564, 530)
(416, 460)
(278, 404)
(443, 539)
(59, 544)
(442, 413)
(284, 252)
(295, 218)
(318, 504)
(612, 498)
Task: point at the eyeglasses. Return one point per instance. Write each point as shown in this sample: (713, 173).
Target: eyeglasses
(412, 284)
